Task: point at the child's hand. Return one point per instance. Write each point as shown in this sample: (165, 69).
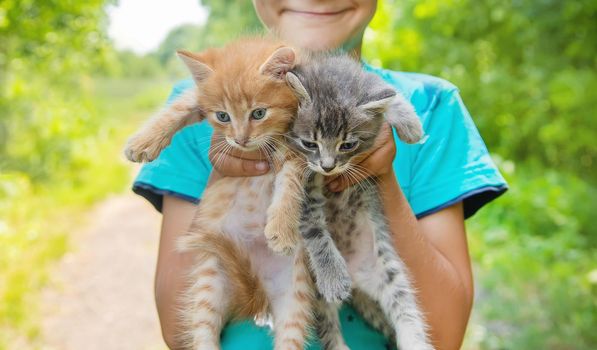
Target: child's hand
(229, 161)
(377, 162)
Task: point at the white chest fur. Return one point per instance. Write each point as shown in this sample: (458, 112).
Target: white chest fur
(244, 224)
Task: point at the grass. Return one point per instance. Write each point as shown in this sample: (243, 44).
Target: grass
(37, 219)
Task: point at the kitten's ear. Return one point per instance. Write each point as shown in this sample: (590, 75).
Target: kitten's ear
(401, 115)
(378, 102)
(198, 69)
(279, 63)
(297, 87)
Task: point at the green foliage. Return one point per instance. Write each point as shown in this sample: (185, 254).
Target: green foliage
(59, 191)
(47, 49)
(128, 64)
(535, 256)
(526, 69)
(187, 37)
(59, 129)
(56, 36)
(229, 19)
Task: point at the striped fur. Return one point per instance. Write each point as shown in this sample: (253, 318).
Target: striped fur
(341, 110)
(241, 223)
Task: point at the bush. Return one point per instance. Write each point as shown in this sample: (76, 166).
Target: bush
(534, 253)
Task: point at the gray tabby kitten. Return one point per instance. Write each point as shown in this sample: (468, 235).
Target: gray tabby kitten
(341, 111)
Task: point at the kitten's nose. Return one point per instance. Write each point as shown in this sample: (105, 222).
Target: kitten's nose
(241, 142)
(327, 163)
(328, 169)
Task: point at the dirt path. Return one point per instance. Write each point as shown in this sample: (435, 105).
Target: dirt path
(102, 291)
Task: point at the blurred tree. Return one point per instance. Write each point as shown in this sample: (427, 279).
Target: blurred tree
(53, 36)
(130, 64)
(229, 19)
(46, 49)
(188, 37)
(526, 69)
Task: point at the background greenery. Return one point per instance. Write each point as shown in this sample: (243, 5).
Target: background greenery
(526, 70)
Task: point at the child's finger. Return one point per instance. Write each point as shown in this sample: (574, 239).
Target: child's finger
(329, 179)
(229, 165)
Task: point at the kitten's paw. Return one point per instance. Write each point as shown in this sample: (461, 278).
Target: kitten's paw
(410, 130)
(280, 240)
(336, 287)
(140, 149)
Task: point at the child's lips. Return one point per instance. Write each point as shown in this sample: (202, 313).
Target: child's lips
(317, 14)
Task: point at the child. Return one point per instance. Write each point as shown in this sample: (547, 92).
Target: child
(442, 182)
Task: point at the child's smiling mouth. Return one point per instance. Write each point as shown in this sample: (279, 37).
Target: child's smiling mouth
(323, 14)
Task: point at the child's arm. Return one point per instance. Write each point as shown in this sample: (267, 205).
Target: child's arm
(170, 277)
(436, 252)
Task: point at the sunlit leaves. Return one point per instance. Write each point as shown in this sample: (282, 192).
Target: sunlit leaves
(531, 62)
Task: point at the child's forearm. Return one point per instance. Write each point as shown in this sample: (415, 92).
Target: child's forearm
(170, 278)
(435, 251)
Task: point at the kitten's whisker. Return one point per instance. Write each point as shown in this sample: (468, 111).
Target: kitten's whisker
(365, 171)
(353, 178)
(222, 155)
(285, 147)
(360, 171)
(272, 142)
(276, 158)
(358, 177)
(217, 149)
(218, 157)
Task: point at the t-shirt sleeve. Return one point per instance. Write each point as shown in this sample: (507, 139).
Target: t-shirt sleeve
(182, 168)
(453, 163)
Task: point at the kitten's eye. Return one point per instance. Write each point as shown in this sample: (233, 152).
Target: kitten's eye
(347, 146)
(223, 117)
(309, 145)
(258, 113)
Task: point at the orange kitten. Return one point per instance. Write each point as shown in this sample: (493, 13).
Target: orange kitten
(241, 91)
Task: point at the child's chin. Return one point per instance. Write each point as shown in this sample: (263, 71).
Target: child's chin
(311, 40)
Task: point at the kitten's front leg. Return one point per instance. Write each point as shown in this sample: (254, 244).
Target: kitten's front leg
(283, 214)
(327, 264)
(147, 143)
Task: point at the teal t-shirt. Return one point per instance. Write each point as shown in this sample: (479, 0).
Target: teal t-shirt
(452, 165)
